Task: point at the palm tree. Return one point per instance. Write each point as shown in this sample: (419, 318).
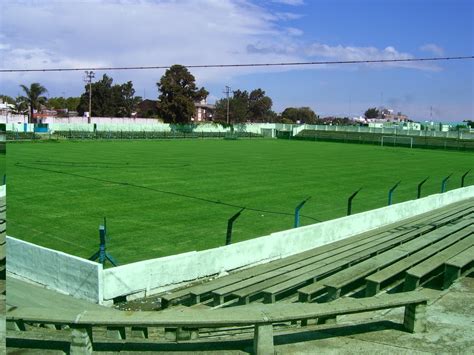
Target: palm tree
(34, 97)
(20, 106)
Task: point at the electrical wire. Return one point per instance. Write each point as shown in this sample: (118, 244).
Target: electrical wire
(407, 60)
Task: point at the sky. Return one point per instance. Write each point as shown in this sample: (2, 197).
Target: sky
(94, 33)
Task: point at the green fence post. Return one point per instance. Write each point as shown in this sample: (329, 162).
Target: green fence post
(444, 183)
(418, 195)
(390, 192)
(464, 176)
(297, 212)
(230, 223)
(349, 202)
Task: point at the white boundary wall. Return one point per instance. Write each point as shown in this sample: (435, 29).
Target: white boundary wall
(85, 279)
(59, 271)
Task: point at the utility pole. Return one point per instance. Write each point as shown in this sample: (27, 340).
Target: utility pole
(227, 92)
(89, 76)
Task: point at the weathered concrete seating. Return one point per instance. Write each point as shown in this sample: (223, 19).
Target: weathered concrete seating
(289, 278)
(453, 217)
(325, 264)
(376, 281)
(332, 263)
(185, 325)
(414, 276)
(198, 292)
(334, 284)
(455, 266)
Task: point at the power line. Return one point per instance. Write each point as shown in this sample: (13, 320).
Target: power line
(242, 65)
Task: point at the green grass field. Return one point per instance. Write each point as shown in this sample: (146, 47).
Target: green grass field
(165, 197)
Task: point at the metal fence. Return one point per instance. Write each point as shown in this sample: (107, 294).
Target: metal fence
(420, 141)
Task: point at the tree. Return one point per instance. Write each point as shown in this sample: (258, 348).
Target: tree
(20, 106)
(101, 100)
(7, 99)
(299, 114)
(238, 108)
(259, 106)
(469, 123)
(125, 99)
(109, 100)
(371, 113)
(178, 94)
(243, 106)
(33, 96)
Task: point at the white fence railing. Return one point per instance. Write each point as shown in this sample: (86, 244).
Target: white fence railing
(461, 134)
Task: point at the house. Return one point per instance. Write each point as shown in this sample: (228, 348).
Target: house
(203, 112)
(389, 115)
(5, 107)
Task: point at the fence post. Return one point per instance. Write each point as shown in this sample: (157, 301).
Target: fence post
(349, 202)
(390, 192)
(444, 183)
(418, 195)
(297, 212)
(230, 222)
(462, 178)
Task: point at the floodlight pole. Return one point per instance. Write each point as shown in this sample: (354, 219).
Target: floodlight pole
(444, 183)
(89, 76)
(349, 202)
(227, 92)
(297, 212)
(462, 178)
(390, 192)
(418, 195)
(230, 222)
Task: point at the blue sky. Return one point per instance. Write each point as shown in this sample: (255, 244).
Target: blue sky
(42, 34)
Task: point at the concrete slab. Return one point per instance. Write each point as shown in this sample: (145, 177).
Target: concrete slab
(450, 330)
(25, 294)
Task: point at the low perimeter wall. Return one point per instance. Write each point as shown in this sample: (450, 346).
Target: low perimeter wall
(59, 271)
(85, 279)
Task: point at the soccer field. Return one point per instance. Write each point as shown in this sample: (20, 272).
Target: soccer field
(169, 196)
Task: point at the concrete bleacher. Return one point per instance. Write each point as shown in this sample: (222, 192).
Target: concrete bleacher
(341, 266)
(416, 275)
(186, 325)
(376, 281)
(341, 281)
(458, 265)
(424, 246)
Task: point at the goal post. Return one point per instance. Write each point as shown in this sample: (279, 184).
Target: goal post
(396, 140)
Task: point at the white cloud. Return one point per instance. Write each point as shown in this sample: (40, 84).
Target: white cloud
(319, 51)
(288, 16)
(94, 33)
(433, 49)
(289, 2)
(291, 31)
